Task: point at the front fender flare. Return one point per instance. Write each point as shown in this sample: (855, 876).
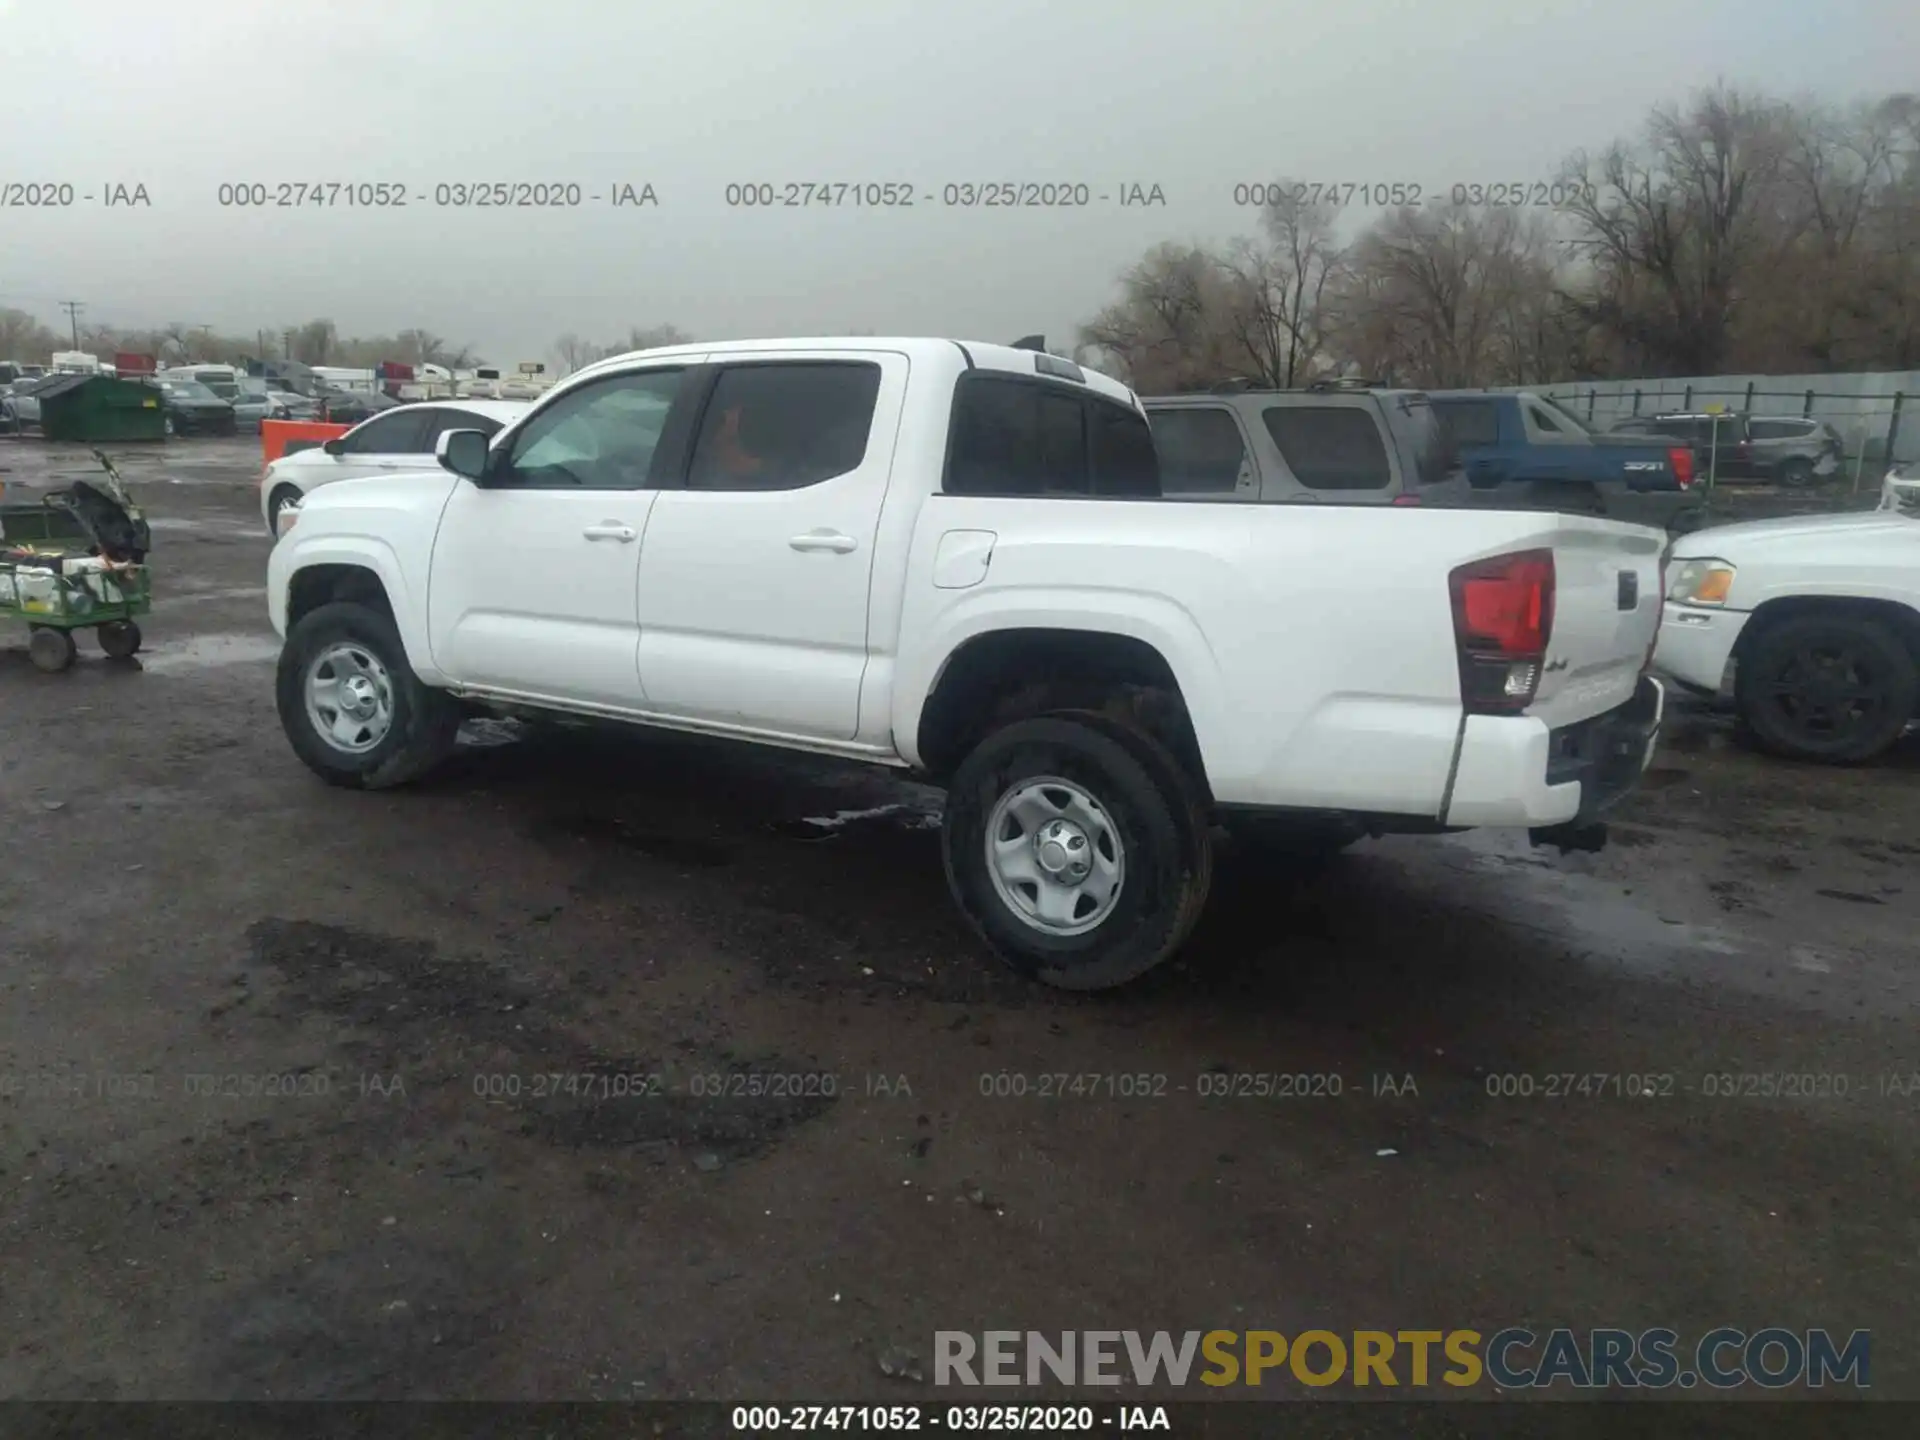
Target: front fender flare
(295, 553)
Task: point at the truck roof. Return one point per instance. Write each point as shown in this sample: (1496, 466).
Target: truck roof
(981, 354)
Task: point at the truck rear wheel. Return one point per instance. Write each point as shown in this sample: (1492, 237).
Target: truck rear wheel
(351, 705)
(1077, 848)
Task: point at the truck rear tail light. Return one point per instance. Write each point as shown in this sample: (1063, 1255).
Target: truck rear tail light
(1681, 458)
(1502, 620)
(1406, 500)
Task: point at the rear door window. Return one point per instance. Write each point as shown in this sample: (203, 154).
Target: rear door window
(1202, 451)
(1781, 429)
(1330, 447)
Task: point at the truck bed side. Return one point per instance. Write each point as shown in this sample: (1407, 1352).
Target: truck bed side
(1314, 647)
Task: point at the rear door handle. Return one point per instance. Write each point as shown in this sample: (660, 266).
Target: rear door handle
(825, 540)
(612, 530)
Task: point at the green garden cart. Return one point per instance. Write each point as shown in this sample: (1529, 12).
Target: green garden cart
(76, 560)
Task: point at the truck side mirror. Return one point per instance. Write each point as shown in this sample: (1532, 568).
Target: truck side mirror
(464, 452)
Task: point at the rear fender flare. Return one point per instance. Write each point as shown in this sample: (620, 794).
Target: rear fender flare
(1153, 620)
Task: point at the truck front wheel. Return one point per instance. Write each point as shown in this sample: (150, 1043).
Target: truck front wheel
(1077, 848)
(351, 705)
(1832, 688)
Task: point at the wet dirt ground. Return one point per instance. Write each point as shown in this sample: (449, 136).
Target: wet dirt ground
(278, 1119)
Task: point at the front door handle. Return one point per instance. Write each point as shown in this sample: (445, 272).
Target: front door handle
(825, 540)
(612, 530)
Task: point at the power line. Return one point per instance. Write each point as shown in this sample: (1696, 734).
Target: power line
(73, 309)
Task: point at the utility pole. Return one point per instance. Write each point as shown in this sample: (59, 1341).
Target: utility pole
(204, 330)
(73, 309)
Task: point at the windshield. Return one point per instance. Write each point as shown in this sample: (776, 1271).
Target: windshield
(188, 390)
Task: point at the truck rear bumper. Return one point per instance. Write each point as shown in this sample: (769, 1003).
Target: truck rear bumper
(1518, 772)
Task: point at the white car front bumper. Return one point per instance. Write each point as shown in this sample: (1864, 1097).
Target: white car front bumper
(1695, 644)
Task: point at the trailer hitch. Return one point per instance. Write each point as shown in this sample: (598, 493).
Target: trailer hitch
(1589, 836)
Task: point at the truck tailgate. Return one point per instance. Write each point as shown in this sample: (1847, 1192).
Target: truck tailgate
(1606, 615)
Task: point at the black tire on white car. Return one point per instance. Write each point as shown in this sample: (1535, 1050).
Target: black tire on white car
(1796, 473)
(282, 496)
(351, 705)
(1834, 688)
(1077, 848)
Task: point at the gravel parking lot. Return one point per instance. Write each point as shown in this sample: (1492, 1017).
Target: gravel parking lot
(419, 1212)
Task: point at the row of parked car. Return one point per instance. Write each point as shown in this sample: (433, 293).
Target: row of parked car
(1359, 444)
(211, 406)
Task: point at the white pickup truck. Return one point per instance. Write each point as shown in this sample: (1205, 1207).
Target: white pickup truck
(951, 558)
(1811, 622)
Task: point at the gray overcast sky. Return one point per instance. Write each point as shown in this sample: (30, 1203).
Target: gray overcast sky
(694, 95)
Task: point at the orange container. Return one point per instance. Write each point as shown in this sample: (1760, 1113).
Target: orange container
(274, 435)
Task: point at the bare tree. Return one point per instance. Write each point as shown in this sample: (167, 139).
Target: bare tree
(313, 342)
(1277, 302)
(1450, 296)
(24, 338)
(1674, 229)
(656, 337)
(1166, 331)
(575, 352)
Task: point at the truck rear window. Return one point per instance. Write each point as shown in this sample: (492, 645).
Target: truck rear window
(1022, 437)
(1330, 447)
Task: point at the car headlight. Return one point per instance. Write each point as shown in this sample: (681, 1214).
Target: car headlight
(1701, 582)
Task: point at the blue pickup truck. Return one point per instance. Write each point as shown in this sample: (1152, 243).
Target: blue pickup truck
(1521, 443)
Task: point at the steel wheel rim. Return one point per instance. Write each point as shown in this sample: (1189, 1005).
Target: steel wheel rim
(1827, 692)
(1055, 856)
(349, 697)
